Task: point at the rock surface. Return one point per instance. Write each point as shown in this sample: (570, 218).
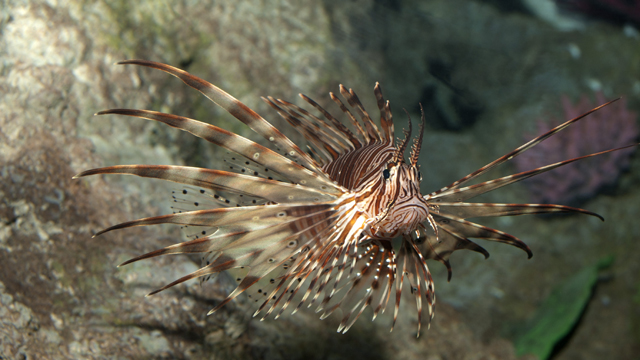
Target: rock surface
(63, 297)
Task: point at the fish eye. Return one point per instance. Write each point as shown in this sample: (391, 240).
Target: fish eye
(386, 174)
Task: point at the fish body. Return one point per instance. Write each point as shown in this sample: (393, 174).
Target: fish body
(317, 227)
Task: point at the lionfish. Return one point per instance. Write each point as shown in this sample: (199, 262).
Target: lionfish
(319, 225)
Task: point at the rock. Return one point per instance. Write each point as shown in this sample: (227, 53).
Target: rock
(62, 295)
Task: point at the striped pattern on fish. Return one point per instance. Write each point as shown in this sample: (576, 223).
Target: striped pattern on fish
(322, 233)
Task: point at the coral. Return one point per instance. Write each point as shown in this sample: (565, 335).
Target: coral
(610, 127)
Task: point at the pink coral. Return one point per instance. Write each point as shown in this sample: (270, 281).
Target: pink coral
(610, 127)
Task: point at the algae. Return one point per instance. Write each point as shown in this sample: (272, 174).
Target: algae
(560, 312)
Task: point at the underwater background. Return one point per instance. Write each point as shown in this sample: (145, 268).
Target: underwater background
(491, 74)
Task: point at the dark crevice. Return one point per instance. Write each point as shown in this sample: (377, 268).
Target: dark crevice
(508, 6)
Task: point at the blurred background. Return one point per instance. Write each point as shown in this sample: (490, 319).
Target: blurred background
(491, 75)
